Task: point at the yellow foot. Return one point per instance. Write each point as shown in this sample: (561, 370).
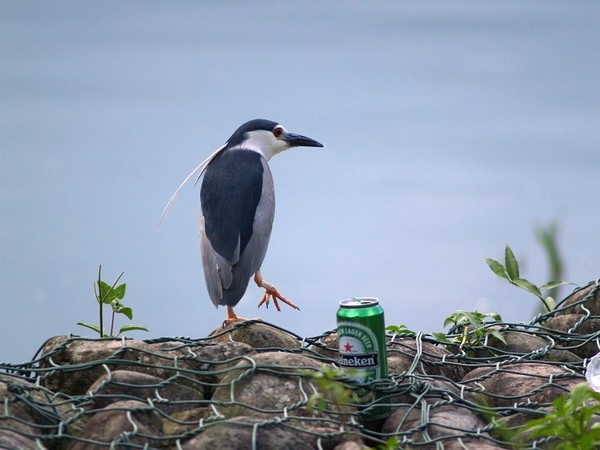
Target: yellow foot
(271, 292)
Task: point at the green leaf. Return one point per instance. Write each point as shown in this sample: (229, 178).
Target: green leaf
(106, 292)
(511, 264)
(440, 337)
(399, 329)
(125, 310)
(528, 286)
(132, 327)
(496, 267)
(553, 284)
(497, 317)
(120, 291)
(91, 327)
(550, 303)
(498, 335)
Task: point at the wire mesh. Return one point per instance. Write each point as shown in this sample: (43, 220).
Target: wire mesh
(441, 394)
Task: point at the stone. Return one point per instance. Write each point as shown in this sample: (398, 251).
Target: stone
(163, 360)
(10, 439)
(257, 334)
(267, 384)
(63, 353)
(327, 346)
(445, 424)
(578, 333)
(20, 415)
(527, 345)
(239, 433)
(112, 424)
(186, 421)
(588, 296)
(168, 397)
(519, 383)
(432, 359)
(351, 445)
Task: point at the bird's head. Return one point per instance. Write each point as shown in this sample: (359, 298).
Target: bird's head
(268, 138)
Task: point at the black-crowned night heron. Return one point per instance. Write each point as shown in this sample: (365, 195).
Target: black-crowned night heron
(238, 207)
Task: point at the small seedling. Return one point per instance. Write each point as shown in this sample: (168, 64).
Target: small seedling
(111, 295)
(570, 424)
(510, 272)
(473, 326)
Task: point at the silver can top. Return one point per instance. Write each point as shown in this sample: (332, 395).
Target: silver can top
(359, 302)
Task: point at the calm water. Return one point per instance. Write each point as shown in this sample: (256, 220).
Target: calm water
(450, 129)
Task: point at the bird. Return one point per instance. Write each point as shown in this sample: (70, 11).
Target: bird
(237, 200)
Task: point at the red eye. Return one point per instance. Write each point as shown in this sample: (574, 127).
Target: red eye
(277, 132)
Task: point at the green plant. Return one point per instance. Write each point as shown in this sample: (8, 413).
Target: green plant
(399, 329)
(510, 272)
(392, 443)
(570, 422)
(329, 388)
(473, 326)
(111, 295)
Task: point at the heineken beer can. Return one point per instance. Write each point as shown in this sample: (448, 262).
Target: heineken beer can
(361, 333)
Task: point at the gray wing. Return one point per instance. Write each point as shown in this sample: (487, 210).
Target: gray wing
(238, 207)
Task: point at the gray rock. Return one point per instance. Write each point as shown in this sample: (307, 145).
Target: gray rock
(588, 296)
(163, 360)
(431, 359)
(519, 383)
(351, 445)
(267, 384)
(256, 334)
(528, 346)
(112, 424)
(580, 338)
(10, 439)
(446, 424)
(328, 347)
(239, 434)
(123, 385)
(18, 418)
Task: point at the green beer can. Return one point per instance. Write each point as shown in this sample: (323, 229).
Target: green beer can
(361, 333)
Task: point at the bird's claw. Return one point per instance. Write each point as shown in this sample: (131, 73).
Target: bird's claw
(276, 296)
(271, 292)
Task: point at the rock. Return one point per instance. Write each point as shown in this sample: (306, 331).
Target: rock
(72, 365)
(428, 388)
(61, 355)
(330, 438)
(14, 440)
(243, 433)
(186, 421)
(122, 384)
(526, 345)
(327, 346)
(351, 445)
(577, 332)
(446, 425)
(19, 418)
(588, 296)
(112, 424)
(267, 384)
(519, 383)
(259, 335)
(432, 359)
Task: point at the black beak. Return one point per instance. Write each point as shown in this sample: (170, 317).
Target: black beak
(297, 140)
